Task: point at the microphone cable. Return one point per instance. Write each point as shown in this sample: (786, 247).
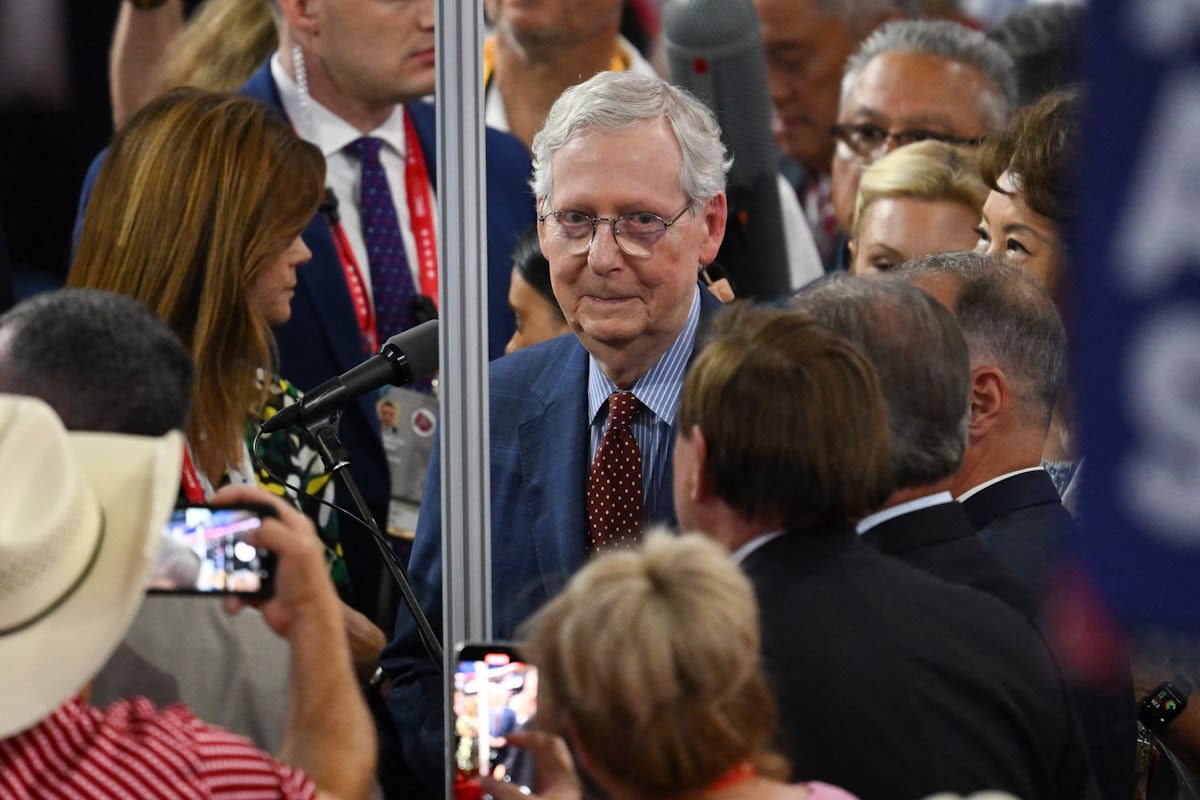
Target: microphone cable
(399, 574)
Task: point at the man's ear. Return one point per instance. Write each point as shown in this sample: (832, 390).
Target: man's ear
(989, 398)
(698, 484)
(714, 213)
(299, 15)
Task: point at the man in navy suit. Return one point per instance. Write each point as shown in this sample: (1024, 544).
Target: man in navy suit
(629, 174)
(1018, 352)
(347, 69)
(890, 683)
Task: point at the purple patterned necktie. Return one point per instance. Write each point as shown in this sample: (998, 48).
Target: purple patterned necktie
(391, 278)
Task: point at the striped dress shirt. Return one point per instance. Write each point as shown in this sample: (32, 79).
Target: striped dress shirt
(659, 390)
(133, 751)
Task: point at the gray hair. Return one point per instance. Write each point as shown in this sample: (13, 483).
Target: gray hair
(614, 101)
(1043, 41)
(102, 361)
(919, 352)
(950, 41)
(1008, 319)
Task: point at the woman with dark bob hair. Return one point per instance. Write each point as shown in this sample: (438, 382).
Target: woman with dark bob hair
(1029, 169)
(531, 296)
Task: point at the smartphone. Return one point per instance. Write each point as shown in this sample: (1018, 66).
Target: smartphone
(203, 551)
(495, 693)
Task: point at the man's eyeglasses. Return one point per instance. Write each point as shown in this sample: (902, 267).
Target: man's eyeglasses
(636, 233)
(867, 141)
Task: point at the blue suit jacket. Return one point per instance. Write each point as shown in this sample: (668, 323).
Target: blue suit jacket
(539, 464)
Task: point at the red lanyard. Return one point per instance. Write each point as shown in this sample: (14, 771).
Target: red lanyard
(420, 210)
(420, 215)
(193, 489)
(739, 772)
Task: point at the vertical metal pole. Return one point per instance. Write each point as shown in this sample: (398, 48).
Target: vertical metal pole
(462, 256)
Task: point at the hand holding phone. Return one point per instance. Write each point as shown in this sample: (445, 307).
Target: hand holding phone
(555, 777)
(495, 695)
(204, 551)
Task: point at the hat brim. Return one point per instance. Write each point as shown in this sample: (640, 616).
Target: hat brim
(136, 481)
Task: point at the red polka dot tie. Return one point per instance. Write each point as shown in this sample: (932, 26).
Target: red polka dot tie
(614, 492)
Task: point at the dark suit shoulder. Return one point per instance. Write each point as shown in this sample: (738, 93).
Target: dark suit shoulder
(1023, 521)
(504, 150)
(1024, 490)
(261, 86)
(893, 683)
(939, 540)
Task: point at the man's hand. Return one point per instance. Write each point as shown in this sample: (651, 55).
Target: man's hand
(303, 589)
(366, 642)
(329, 733)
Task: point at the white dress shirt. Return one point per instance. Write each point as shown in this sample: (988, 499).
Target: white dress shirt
(879, 517)
(977, 489)
(343, 174)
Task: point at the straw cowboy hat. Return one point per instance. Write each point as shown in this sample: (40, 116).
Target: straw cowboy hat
(80, 521)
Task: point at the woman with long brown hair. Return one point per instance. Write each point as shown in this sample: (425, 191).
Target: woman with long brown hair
(197, 212)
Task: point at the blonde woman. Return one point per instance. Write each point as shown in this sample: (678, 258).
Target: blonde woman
(919, 199)
(648, 664)
(217, 48)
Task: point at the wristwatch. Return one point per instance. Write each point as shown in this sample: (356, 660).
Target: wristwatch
(1165, 703)
(146, 5)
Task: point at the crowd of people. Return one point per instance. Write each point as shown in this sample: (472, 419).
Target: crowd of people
(798, 546)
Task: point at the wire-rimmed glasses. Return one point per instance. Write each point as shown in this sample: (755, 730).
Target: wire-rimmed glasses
(635, 233)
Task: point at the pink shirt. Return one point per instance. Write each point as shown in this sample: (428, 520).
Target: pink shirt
(133, 750)
(824, 791)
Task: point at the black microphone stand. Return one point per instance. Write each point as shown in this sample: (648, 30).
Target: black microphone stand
(337, 461)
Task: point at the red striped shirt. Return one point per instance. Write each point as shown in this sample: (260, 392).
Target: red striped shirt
(134, 751)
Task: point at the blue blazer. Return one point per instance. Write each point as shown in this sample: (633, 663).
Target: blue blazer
(539, 464)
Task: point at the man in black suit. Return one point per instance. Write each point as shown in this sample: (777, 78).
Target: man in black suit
(890, 683)
(919, 352)
(1018, 355)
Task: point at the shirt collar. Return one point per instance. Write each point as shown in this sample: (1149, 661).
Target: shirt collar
(743, 552)
(660, 387)
(879, 517)
(329, 132)
(977, 489)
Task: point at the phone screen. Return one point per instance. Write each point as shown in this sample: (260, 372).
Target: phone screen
(204, 551)
(495, 693)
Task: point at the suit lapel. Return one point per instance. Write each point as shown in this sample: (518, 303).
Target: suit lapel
(553, 448)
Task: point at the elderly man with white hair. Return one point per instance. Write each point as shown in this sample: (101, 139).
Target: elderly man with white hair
(629, 174)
